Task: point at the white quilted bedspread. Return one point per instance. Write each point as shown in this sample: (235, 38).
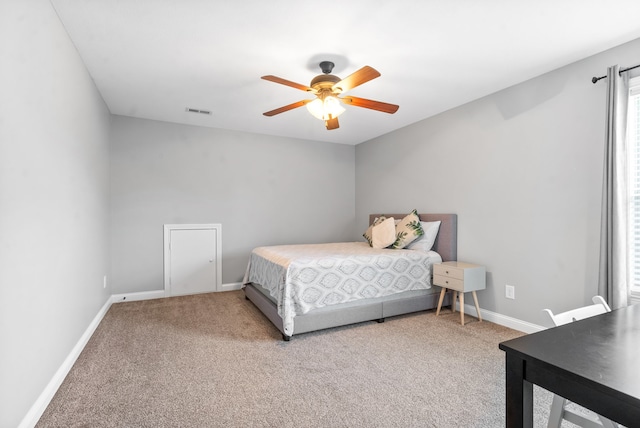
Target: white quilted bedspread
(306, 277)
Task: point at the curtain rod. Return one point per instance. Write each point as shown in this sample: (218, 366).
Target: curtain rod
(595, 79)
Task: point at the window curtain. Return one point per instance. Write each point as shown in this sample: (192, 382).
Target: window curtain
(613, 278)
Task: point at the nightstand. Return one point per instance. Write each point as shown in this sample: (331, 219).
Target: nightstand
(460, 278)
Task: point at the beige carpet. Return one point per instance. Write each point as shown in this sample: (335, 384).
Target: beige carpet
(213, 360)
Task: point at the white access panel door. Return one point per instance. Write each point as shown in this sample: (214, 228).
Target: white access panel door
(192, 259)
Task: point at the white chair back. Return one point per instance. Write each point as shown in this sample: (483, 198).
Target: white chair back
(559, 410)
(599, 307)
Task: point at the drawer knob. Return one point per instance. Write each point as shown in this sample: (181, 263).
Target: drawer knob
(446, 271)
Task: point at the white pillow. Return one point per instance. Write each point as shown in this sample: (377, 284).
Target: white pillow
(383, 234)
(426, 241)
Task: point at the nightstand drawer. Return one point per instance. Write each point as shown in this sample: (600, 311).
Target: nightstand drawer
(448, 282)
(448, 271)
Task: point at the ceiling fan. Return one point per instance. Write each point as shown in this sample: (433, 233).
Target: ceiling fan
(327, 88)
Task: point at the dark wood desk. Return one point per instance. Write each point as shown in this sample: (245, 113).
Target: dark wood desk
(594, 362)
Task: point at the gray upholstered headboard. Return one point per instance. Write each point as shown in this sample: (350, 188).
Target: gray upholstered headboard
(447, 240)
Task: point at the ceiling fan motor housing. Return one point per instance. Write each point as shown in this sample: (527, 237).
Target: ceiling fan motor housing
(324, 81)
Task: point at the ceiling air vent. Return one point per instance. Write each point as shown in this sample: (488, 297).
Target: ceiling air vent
(195, 110)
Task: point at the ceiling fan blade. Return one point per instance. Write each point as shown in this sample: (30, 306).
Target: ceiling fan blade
(288, 83)
(371, 104)
(286, 108)
(361, 76)
(332, 123)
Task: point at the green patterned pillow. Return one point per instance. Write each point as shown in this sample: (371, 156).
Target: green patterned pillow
(408, 230)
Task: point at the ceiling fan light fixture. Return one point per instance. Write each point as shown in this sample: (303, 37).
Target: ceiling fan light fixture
(327, 88)
(325, 108)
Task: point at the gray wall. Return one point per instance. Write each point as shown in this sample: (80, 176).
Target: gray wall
(53, 202)
(263, 190)
(522, 168)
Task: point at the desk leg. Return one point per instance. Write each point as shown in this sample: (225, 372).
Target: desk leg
(519, 411)
(461, 294)
(442, 293)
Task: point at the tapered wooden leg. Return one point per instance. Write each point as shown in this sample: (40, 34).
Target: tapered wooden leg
(442, 293)
(454, 295)
(461, 294)
(475, 300)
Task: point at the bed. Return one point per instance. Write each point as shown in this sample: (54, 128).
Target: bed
(295, 310)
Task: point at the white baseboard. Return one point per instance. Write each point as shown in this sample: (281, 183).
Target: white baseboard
(503, 320)
(160, 294)
(142, 295)
(232, 286)
(37, 409)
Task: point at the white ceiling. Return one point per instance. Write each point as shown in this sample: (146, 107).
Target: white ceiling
(154, 58)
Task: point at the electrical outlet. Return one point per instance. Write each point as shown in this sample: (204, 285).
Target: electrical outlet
(104, 281)
(510, 291)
